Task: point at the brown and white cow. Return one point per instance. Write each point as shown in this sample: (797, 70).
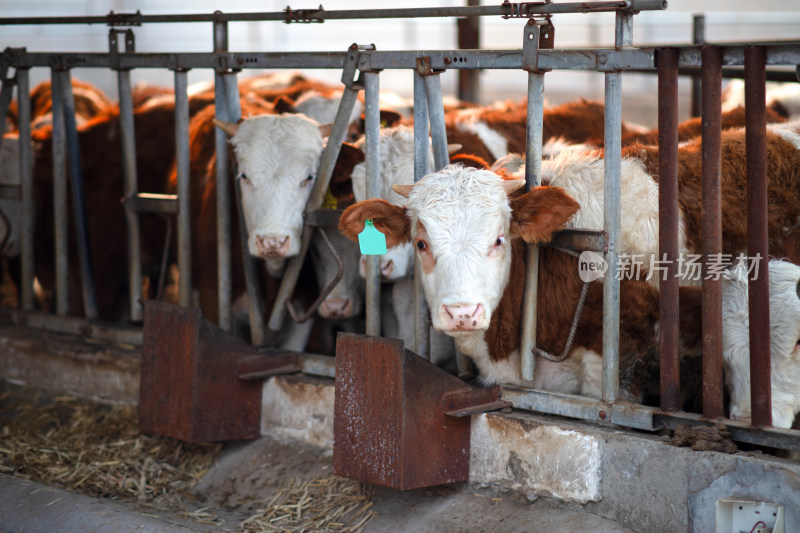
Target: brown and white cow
(468, 227)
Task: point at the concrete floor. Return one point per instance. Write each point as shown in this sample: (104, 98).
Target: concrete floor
(249, 473)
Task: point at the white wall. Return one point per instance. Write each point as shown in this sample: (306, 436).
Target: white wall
(726, 21)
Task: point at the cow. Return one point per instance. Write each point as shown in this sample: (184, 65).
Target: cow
(90, 102)
(581, 174)
(784, 316)
(468, 228)
(494, 131)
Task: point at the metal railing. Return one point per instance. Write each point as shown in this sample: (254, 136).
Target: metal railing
(536, 57)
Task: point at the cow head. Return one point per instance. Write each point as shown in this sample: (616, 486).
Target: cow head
(347, 297)
(277, 157)
(461, 222)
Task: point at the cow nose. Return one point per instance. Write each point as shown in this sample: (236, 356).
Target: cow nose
(461, 317)
(336, 308)
(387, 269)
(272, 245)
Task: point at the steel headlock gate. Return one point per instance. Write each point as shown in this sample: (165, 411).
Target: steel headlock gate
(368, 377)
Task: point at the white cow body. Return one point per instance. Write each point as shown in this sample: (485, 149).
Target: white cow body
(784, 305)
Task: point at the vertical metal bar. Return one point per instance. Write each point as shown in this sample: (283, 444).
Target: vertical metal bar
(224, 278)
(60, 195)
(611, 218)
(5, 97)
(469, 38)
(182, 165)
(78, 200)
(433, 90)
(255, 291)
(329, 156)
(757, 234)
(26, 182)
(668, 226)
(623, 29)
(372, 125)
(533, 172)
(712, 231)
(131, 190)
(422, 330)
(698, 37)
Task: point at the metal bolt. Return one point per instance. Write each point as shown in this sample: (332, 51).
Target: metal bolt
(602, 415)
(602, 60)
(446, 60)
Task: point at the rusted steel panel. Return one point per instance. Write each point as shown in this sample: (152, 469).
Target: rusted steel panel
(189, 387)
(712, 231)
(757, 237)
(668, 225)
(390, 423)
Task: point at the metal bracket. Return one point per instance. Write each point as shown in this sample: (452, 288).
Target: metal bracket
(113, 46)
(537, 35)
(467, 402)
(351, 64)
(303, 16)
(423, 66)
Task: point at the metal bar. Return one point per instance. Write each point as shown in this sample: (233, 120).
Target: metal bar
(757, 236)
(255, 291)
(183, 201)
(611, 218)
(329, 156)
(320, 15)
(698, 37)
(469, 38)
(785, 439)
(131, 189)
(623, 29)
(60, 195)
(372, 125)
(668, 227)
(73, 325)
(153, 203)
(422, 330)
(533, 171)
(224, 277)
(712, 232)
(433, 91)
(78, 200)
(5, 97)
(10, 192)
(26, 183)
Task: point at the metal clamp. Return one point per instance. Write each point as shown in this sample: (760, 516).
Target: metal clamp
(423, 66)
(123, 19)
(113, 46)
(537, 35)
(352, 63)
(522, 9)
(324, 292)
(303, 16)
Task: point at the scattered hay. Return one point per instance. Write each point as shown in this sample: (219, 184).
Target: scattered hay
(326, 504)
(94, 449)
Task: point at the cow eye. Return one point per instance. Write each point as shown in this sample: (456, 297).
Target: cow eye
(309, 179)
(243, 178)
(421, 245)
(500, 240)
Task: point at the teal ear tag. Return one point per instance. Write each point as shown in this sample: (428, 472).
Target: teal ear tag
(371, 241)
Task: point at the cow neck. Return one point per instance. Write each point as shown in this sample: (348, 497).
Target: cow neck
(503, 336)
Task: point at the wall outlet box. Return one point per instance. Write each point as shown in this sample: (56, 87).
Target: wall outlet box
(743, 516)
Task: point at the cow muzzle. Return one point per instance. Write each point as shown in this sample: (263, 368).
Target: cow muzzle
(272, 245)
(336, 308)
(462, 317)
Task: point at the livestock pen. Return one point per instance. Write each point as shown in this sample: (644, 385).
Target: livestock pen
(361, 68)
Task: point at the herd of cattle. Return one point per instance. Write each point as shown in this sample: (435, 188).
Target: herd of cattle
(467, 223)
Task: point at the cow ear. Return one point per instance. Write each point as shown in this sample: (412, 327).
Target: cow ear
(283, 105)
(349, 156)
(538, 213)
(389, 219)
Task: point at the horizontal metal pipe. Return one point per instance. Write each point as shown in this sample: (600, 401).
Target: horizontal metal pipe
(119, 19)
(153, 203)
(73, 325)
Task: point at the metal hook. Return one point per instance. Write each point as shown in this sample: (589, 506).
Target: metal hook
(326, 291)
